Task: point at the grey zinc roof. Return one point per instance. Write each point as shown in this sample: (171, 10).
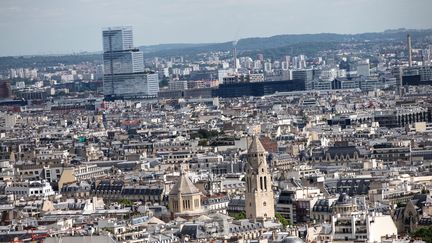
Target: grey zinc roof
(292, 239)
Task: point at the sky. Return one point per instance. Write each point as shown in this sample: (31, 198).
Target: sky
(34, 27)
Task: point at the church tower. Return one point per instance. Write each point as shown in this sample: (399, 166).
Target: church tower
(259, 196)
(184, 199)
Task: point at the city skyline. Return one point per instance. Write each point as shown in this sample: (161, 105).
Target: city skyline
(239, 127)
(58, 23)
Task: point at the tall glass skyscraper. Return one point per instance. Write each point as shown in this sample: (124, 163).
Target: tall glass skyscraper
(117, 39)
(124, 74)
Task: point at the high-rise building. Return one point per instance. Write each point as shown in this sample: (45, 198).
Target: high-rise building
(363, 68)
(305, 75)
(235, 56)
(124, 74)
(117, 39)
(430, 54)
(5, 89)
(288, 60)
(259, 197)
(301, 62)
(260, 57)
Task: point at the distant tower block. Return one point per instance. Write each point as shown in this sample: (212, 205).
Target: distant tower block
(409, 50)
(5, 89)
(235, 55)
(259, 197)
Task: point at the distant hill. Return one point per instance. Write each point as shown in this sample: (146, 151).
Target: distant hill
(167, 47)
(271, 47)
(285, 41)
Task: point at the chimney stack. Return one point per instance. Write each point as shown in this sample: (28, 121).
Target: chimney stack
(409, 50)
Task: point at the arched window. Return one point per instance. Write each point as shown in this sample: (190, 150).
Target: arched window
(265, 183)
(264, 204)
(261, 183)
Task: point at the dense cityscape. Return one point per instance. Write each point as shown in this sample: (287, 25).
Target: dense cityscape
(289, 138)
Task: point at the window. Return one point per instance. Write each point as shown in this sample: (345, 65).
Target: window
(264, 204)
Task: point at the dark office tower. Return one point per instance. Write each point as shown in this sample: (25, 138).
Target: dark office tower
(397, 72)
(409, 50)
(124, 66)
(305, 75)
(5, 89)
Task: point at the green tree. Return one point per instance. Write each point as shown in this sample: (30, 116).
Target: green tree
(241, 215)
(203, 142)
(125, 202)
(285, 222)
(424, 233)
(163, 83)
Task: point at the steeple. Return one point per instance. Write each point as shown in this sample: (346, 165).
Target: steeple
(256, 146)
(259, 192)
(256, 154)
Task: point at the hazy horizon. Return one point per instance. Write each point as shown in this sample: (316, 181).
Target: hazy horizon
(49, 27)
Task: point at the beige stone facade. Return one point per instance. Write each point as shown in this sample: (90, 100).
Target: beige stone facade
(184, 199)
(259, 196)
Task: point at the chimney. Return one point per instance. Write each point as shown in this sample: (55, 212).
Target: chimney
(409, 50)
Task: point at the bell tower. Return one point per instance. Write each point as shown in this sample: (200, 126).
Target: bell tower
(259, 198)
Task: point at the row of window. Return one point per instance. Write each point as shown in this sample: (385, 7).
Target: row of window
(32, 192)
(263, 183)
(187, 204)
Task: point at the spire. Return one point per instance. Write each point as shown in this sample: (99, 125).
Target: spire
(256, 146)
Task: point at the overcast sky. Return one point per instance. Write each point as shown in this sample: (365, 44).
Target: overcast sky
(66, 26)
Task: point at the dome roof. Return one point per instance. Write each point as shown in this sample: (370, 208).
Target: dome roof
(292, 239)
(184, 186)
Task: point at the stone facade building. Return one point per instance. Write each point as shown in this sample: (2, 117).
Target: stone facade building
(184, 199)
(259, 193)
